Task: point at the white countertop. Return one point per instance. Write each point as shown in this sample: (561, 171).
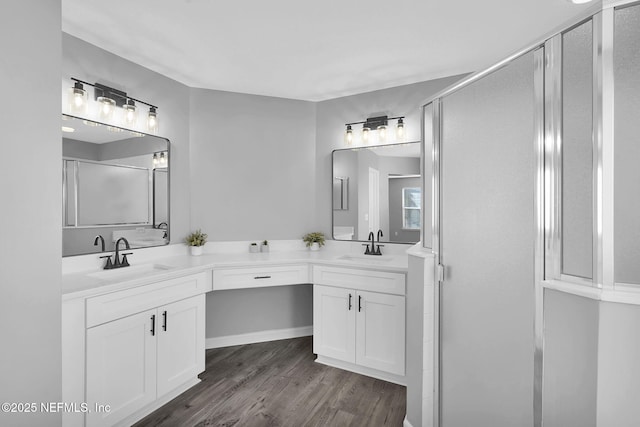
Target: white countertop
(78, 281)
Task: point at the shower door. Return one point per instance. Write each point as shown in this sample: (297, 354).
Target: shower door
(486, 244)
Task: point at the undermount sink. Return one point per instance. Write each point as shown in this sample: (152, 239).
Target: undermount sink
(371, 259)
(131, 271)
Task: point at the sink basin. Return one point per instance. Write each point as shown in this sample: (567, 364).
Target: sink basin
(128, 272)
(369, 259)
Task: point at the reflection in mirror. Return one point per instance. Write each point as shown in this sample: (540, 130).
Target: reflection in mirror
(114, 184)
(377, 188)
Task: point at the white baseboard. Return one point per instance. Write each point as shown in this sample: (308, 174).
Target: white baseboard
(406, 422)
(260, 336)
(363, 370)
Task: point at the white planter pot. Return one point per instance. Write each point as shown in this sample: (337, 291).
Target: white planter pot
(315, 246)
(196, 250)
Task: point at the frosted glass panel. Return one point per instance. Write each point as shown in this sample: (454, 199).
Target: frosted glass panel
(627, 144)
(577, 151)
(487, 248)
(427, 180)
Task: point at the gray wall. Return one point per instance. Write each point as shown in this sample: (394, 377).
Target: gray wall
(30, 217)
(252, 166)
(570, 360)
(245, 311)
(252, 178)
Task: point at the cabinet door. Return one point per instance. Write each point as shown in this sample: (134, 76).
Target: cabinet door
(380, 331)
(180, 342)
(121, 367)
(334, 322)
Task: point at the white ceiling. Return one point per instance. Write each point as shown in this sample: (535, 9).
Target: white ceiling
(312, 50)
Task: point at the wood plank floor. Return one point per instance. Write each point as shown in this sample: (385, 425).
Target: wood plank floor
(278, 383)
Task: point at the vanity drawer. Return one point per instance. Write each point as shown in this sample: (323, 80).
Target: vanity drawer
(360, 279)
(258, 277)
(115, 305)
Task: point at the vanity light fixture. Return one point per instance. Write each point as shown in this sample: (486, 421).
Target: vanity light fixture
(78, 100)
(108, 100)
(400, 130)
(160, 159)
(152, 120)
(130, 115)
(377, 126)
(348, 136)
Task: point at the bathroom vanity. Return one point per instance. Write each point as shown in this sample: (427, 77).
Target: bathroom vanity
(134, 338)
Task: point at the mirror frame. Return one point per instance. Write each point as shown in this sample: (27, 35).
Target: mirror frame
(333, 177)
(152, 212)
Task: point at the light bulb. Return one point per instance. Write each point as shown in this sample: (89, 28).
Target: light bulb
(130, 116)
(400, 130)
(107, 107)
(152, 120)
(365, 134)
(348, 136)
(78, 99)
(382, 133)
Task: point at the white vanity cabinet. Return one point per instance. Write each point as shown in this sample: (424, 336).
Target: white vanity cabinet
(263, 276)
(359, 320)
(134, 349)
(136, 359)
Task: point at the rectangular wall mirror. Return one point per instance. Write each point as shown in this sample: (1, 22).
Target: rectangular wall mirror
(377, 188)
(115, 183)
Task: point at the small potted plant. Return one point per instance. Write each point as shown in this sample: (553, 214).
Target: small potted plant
(264, 247)
(314, 240)
(253, 248)
(196, 241)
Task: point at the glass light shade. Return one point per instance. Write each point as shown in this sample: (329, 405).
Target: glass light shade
(78, 100)
(155, 159)
(382, 133)
(365, 134)
(152, 120)
(163, 159)
(348, 136)
(107, 108)
(400, 134)
(130, 114)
